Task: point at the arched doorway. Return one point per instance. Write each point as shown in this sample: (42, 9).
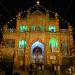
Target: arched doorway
(37, 52)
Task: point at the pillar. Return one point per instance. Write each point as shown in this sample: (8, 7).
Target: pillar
(58, 69)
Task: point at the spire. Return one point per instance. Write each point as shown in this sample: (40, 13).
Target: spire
(19, 14)
(56, 15)
(38, 2)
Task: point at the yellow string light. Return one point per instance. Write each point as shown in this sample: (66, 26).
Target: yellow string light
(16, 15)
(21, 12)
(42, 8)
(8, 22)
(24, 11)
(13, 18)
(33, 7)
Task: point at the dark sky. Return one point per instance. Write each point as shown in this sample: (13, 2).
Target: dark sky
(65, 8)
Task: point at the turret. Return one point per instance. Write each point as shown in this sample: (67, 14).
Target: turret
(28, 17)
(56, 16)
(18, 21)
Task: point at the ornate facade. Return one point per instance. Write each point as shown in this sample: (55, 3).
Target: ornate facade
(37, 39)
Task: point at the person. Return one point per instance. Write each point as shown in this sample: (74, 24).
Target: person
(69, 72)
(43, 69)
(23, 67)
(30, 69)
(53, 69)
(35, 69)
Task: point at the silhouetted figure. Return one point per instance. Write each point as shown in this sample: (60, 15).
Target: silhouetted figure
(53, 71)
(30, 69)
(35, 69)
(23, 67)
(8, 67)
(69, 71)
(42, 69)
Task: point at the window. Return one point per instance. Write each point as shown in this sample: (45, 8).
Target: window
(23, 28)
(11, 30)
(63, 30)
(10, 43)
(42, 28)
(52, 28)
(33, 27)
(22, 44)
(53, 43)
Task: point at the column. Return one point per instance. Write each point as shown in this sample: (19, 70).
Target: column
(58, 69)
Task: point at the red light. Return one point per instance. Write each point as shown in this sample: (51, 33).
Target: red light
(23, 22)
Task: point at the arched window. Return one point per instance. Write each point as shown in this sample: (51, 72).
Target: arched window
(53, 43)
(42, 28)
(52, 28)
(33, 27)
(23, 28)
(22, 44)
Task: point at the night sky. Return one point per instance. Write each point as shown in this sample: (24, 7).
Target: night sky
(65, 8)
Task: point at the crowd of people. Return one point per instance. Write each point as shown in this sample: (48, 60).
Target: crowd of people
(70, 70)
(40, 69)
(35, 68)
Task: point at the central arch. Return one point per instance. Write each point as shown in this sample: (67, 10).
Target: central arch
(37, 52)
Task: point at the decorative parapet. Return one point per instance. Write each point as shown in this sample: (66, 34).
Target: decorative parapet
(5, 28)
(70, 28)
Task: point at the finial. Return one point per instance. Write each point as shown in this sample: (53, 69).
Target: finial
(38, 2)
(19, 14)
(56, 15)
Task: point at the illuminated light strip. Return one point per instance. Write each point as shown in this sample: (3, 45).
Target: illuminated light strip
(42, 8)
(32, 7)
(24, 11)
(8, 22)
(65, 21)
(11, 20)
(21, 12)
(35, 5)
(16, 15)
(54, 12)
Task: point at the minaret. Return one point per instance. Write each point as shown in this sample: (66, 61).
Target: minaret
(18, 21)
(28, 17)
(70, 37)
(57, 21)
(5, 28)
(71, 34)
(38, 3)
(56, 16)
